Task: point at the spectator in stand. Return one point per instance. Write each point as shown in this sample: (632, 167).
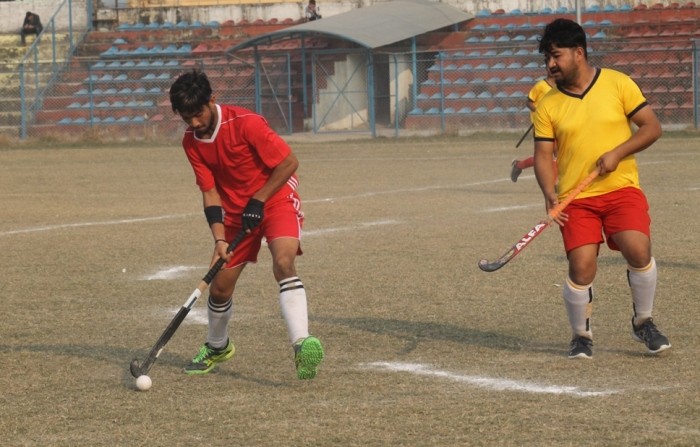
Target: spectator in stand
(32, 25)
(312, 11)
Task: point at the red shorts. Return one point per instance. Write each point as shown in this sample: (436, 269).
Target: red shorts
(282, 218)
(607, 214)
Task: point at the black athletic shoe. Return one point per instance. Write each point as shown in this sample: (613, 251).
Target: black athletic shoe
(581, 348)
(650, 335)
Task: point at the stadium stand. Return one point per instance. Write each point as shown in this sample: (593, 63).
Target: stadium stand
(121, 77)
(485, 70)
(477, 76)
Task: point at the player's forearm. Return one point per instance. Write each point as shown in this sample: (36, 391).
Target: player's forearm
(544, 169)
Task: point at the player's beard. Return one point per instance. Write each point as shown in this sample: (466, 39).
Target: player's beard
(209, 130)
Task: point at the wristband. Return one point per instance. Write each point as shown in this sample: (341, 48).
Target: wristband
(220, 240)
(214, 214)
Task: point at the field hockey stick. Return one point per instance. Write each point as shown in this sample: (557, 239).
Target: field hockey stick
(143, 368)
(524, 135)
(524, 241)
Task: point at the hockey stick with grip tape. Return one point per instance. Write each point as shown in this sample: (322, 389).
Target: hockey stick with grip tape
(524, 241)
(143, 368)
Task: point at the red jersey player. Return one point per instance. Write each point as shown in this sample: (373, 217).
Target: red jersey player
(246, 174)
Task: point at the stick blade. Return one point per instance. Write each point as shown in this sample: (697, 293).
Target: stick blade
(487, 266)
(135, 368)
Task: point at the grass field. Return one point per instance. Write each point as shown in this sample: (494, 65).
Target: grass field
(100, 246)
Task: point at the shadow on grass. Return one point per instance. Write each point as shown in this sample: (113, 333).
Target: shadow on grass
(414, 332)
(122, 358)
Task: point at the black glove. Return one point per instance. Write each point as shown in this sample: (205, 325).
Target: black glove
(252, 214)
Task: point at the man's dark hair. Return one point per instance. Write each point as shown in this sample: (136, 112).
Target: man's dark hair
(190, 92)
(563, 33)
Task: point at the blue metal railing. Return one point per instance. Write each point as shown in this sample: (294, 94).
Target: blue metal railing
(39, 75)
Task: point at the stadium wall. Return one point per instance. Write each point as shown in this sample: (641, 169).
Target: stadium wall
(12, 14)
(146, 11)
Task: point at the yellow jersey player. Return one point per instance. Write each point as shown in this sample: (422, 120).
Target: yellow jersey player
(588, 115)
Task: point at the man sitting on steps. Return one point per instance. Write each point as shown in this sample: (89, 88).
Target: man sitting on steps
(31, 25)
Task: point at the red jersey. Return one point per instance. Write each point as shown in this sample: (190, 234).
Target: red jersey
(238, 159)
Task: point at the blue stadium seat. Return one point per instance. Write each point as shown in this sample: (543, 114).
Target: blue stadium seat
(503, 38)
(432, 111)
(465, 110)
(65, 121)
(460, 81)
(481, 109)
(416, 111)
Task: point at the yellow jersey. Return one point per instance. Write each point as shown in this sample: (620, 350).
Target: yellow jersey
(588, 125)
(537, 91)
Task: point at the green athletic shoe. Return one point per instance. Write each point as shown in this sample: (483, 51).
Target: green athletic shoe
(207, 358)
(308, 354)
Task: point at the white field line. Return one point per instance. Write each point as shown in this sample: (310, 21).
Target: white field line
(510, 208)
(359, 226)
(492, 383)
(197, 315)
(178, 216)
(405, 190)
(172, 272)
(93, 224)
(181, 270)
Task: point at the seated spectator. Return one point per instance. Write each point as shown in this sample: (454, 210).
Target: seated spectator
(31, 25)
(312, 12)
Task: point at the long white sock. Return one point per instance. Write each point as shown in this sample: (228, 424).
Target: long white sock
(579, 307)
(643, 285)
(219, 316)
(294, 308)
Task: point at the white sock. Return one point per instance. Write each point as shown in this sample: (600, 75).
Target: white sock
(219, 316)
(643, 284)
(579, 307)
(293, 305)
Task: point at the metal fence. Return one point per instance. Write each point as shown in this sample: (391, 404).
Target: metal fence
(40, 68)
(391, 94)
